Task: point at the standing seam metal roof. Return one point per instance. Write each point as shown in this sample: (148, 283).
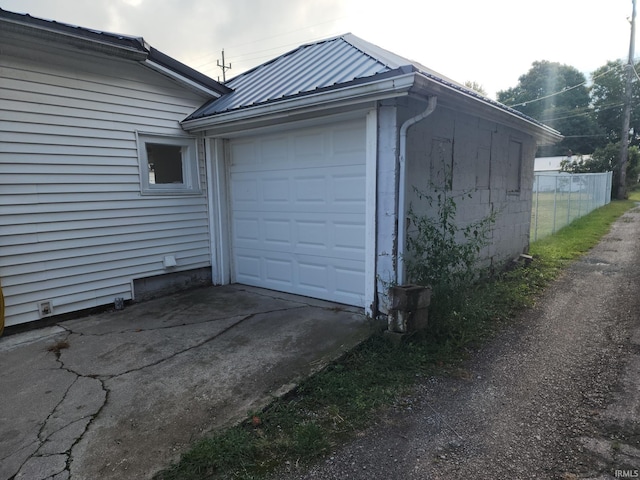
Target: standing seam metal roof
(306, 69)
(331, 63)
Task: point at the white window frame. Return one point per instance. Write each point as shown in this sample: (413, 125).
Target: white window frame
(190, 169)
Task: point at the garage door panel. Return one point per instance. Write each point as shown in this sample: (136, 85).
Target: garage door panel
(310, 147)
(277, 232)
(278, 271)
(313, 275)
(337, 280)
(342, 189)
(246, 190)
(328, 235)
(310, 190)
(250, 267)
(348, 189)
(347, 235)
(348, 281)
(246, 230)
(244, 153)
(298, 212)
(311, 233)
(275, 190)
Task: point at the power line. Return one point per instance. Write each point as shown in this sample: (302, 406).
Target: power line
(263, 39)
(564, 90)
(586, 136)
(585, 111)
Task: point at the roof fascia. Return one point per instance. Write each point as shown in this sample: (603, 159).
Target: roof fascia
(51, 34)
(193, 85)
(329, 99)
(125, 47)
(455, 98)
(180, 71)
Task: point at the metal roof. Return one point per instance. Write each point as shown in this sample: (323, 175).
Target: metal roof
(333, 64)
(113, 43)
(309, 68)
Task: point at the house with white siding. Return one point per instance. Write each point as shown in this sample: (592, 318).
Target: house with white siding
(83, 221)
(124, 172)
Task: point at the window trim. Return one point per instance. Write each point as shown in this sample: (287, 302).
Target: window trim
(518, 164)
(190, 165)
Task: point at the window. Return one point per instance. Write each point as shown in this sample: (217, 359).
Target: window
(441, 168)
(514, 166)
(168, 165)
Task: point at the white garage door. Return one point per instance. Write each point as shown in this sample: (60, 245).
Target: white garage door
(298, 211)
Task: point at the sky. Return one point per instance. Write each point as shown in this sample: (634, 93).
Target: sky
(490, 42)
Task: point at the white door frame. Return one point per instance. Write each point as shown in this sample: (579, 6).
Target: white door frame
(371, 212)
(219, 208)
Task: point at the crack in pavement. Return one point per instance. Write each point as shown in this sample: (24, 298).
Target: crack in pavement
(159, 368)
(65, 425)
(182, 351)
(86, 396)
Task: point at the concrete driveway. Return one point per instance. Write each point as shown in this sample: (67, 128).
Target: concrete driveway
(121, 394)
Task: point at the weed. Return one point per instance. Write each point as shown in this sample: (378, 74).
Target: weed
(57, 347)
(347, 396)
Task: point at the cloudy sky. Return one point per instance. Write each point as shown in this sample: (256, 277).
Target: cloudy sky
(491, 42)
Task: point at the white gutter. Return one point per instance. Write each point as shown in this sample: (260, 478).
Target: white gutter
(401, 207)
(544, 134)
(390, 87)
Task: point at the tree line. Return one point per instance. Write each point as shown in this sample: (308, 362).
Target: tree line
(587, 113)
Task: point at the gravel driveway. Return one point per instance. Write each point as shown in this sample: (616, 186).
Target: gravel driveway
(555, 396)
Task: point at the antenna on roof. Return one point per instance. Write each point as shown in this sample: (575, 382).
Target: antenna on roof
(224, 68)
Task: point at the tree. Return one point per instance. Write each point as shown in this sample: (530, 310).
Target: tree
(557, 95)
(607, 94)
(607, 159)
(476, 87)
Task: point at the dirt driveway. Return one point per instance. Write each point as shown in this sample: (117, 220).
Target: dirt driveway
(556, 396)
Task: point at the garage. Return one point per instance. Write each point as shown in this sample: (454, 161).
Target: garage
(297, 208)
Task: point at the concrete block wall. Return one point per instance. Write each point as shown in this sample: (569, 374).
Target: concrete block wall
(482, 158)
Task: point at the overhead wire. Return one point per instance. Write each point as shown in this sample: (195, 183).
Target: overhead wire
(564, 90)
(238, 58)
(584, 111)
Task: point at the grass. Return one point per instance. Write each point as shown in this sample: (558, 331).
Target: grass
(338, 402)
(552, 211)
(581, 234)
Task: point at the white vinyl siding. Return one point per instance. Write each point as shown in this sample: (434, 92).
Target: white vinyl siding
(74, 228)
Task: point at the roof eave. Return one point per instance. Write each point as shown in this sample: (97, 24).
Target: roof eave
(123, 47)
(486, 108)
(54, 34)
(188, 82)
(324, 100)
(188, 75)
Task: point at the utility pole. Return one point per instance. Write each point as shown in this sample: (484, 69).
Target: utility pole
(626, 119)
(228, 67)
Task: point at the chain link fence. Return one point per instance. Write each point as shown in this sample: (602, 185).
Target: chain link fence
(560, 198)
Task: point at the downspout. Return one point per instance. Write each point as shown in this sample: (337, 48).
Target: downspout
(401, 208)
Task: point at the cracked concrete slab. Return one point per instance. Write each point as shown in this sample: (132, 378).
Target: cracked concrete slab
(122, 394)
